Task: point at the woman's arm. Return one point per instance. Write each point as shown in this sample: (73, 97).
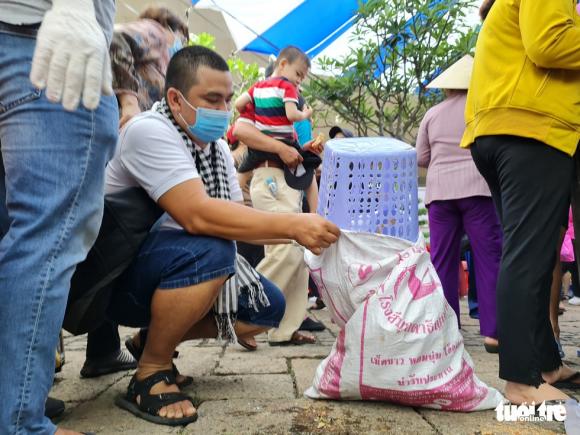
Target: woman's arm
(422, 146)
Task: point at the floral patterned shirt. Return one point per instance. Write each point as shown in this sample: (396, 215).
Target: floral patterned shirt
(139, 56)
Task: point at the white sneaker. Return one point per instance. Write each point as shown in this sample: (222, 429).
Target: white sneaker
(574, 301)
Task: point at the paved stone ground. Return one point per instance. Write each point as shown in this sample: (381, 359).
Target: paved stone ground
(262, 392)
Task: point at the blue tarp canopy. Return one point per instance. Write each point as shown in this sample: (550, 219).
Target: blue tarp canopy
(312, 26)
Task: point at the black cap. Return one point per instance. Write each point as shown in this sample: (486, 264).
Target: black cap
(336, 129)
(300, 178)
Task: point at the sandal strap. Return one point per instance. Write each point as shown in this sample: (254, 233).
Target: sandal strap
(152, 403)
(142, 388)
(136, 387)
(174, 370)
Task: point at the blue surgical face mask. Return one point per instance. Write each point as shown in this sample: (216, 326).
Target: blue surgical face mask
(210, 124)
(177, 45)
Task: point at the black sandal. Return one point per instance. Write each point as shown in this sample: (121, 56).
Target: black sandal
(150, 404)
(138, 351)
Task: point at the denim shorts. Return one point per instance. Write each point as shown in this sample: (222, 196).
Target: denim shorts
(171, 259)
(269, 316)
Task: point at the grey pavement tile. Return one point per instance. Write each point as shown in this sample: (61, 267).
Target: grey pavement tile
(70, 387)
(483, 360)
(237, 360)
(263, 386)
(197, 361)
(485, 422)
(303, 416)
(304, 370)
(305, 351)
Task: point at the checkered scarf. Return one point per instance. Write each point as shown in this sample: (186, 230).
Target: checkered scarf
(214, 174)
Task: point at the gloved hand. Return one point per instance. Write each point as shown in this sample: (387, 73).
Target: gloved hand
(71, 56)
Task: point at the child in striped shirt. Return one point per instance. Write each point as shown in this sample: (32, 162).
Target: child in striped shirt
(275, 99)
(272, 106)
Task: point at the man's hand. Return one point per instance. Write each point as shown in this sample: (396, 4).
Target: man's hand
(307, 111)
(290, 156)
(316, 233)
(71, 56)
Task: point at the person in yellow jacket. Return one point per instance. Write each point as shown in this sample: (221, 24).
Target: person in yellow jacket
(523, 125)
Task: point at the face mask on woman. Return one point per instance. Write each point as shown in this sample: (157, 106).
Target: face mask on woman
(210, 124)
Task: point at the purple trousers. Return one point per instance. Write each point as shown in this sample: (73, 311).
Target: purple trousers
(476, 217)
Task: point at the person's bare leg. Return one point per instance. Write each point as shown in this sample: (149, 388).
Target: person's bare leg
(61, 431)
(560, 374)
(173, 313)
(520, 393)
(137, 343)
(491, 341)
(206, 328)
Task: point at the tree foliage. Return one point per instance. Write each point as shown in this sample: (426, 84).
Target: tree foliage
(397, 48)
(244, 74)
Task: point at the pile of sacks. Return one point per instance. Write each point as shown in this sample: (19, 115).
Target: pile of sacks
(399, 340)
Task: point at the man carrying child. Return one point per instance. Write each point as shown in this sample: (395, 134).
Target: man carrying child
(270, 108)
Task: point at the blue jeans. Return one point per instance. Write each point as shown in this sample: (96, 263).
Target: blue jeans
(170, 259)
(51, 202)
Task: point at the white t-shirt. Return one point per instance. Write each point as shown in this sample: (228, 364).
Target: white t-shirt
(151, 153)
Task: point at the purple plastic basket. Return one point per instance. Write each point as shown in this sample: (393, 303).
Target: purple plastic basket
(370, 184)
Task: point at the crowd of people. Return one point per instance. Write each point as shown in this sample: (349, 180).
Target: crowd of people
(94, 115)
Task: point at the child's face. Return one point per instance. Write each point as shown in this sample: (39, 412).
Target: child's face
(296, 71)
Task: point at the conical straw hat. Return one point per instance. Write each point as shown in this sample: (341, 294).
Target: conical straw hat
(457, 76)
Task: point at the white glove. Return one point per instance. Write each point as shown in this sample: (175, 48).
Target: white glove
(72, 56)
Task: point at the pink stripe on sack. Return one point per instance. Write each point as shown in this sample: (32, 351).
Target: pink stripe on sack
(362, 343)
(330, 380)
(460, 393)
(322, 289)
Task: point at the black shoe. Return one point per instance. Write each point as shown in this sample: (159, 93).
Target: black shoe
(116, 362)
(311, 325)
(53, 407)
(318, 305)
